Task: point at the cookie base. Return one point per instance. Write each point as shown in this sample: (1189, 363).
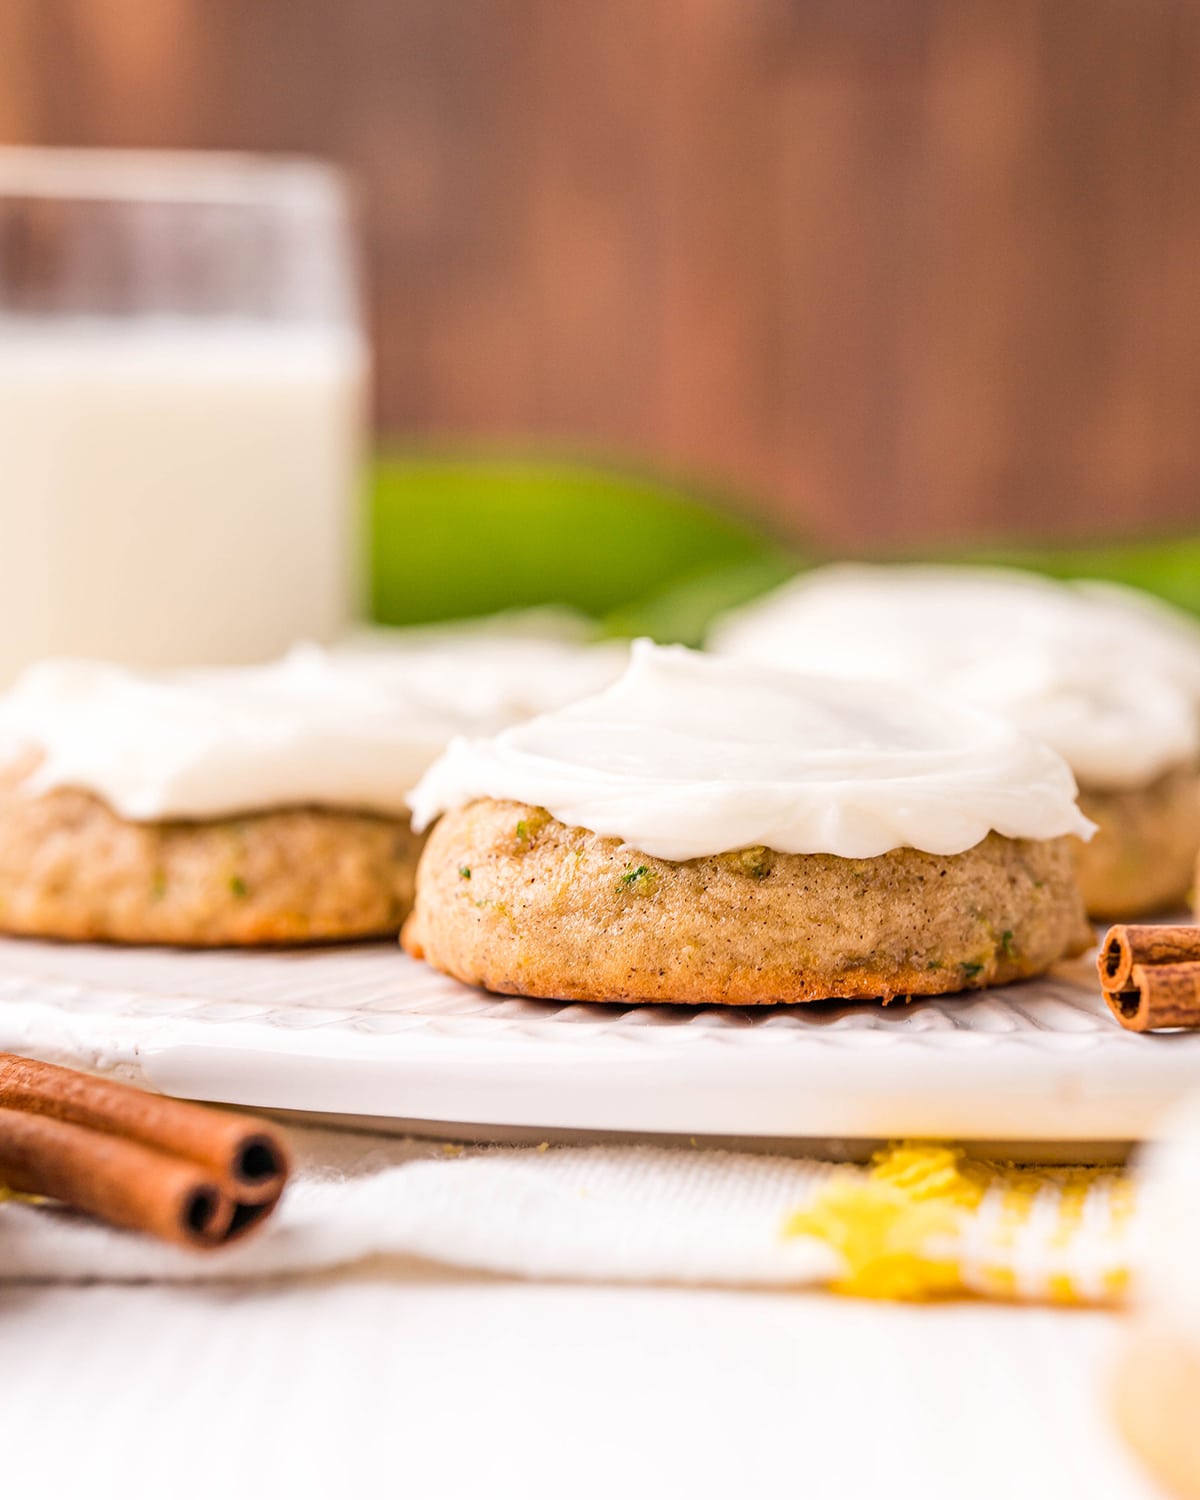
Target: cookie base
(513, 900)
(1143, 858)
(70, 868)
(1157, 1389)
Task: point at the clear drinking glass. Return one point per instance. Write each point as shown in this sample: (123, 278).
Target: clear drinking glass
(182, 402)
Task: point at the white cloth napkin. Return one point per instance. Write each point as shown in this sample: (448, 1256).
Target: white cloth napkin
(605, 1213)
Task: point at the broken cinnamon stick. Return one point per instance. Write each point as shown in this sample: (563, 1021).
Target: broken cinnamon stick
(183, 1172)
(1127, 945)
(1157, 997)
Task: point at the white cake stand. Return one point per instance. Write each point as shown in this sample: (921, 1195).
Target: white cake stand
(365, 1033)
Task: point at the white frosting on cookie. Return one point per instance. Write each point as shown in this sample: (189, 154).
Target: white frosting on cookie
(689, 754)
(350, 728)
(494, 672)
(1109, 676)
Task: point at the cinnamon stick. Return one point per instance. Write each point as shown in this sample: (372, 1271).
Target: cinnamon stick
(1156, 997)
(118, 1180)
(243, 1159)
(1127, 945)
(184, 1172)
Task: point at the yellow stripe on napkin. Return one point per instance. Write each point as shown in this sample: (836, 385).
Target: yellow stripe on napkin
(926, 1221)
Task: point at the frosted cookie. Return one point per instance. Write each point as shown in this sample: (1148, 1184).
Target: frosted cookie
(1108, 676)
(237, 805)
(708, 831)
(252, 804)
(1157, 1385)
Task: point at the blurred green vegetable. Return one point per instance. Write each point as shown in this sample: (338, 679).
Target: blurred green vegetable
(463, 536)
(451, 537)
(1168, 568)
(683, 610)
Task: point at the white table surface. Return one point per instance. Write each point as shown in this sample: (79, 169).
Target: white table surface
(426, 1384)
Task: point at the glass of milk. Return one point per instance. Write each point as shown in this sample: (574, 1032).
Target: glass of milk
(182, 401)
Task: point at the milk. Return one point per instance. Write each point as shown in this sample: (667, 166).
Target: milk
(176, 491)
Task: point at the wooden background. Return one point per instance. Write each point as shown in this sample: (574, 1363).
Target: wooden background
(903, 268)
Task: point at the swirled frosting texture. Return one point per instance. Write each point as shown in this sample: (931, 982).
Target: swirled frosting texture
(349, 728)
(1107, 675)
(688, 755)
